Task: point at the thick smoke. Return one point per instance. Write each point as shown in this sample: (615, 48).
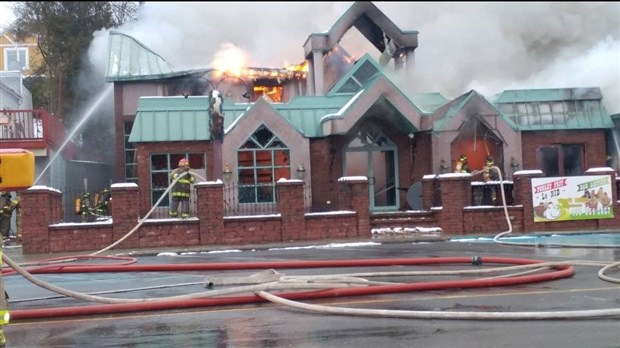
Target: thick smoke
(489, 47)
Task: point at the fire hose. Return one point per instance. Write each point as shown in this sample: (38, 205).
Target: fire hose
(311, 287)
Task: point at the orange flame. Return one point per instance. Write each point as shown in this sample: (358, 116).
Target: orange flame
(230, 59)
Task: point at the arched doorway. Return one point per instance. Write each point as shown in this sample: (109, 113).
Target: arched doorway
(373, 155)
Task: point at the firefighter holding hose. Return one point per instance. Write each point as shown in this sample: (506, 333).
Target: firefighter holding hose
(181, 190)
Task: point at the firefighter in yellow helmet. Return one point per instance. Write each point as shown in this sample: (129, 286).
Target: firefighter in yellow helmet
(87, 212)
(8, 205)
(181, 189)
(488, 173)
(461, 165)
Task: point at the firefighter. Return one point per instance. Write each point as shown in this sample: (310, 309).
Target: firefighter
(103, 205)
(461, 165)
(488, 173)
(7, 206)
(181, 189)
(86, 208)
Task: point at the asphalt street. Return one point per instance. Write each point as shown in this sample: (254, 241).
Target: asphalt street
(261, 323)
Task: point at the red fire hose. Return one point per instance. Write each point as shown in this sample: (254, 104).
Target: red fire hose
(557, 272)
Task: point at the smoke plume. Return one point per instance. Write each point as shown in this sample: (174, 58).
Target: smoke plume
(489, 47)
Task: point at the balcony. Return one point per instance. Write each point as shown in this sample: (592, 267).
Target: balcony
(31, 130)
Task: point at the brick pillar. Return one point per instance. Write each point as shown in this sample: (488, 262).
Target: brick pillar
(522, 193)
(125, 213)
(428, 191)
(607, 224)
(210, 211)
(292, 209)
(354, 196)
(40, 207)
(455, 195)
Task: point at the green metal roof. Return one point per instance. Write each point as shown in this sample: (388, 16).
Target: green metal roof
(457, 104)
(361, 72)
(157, 118)
(130, 60)
(555, 109)
(302, 112)
(429, 102)
(171, 119)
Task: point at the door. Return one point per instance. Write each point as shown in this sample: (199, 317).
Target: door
(373, 155)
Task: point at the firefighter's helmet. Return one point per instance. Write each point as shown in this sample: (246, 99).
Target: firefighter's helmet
(462, 158)
(183, 163)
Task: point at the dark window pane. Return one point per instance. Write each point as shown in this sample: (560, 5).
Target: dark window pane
(159, 181)
(246, 176)
(159, 162)
(197, 160)
(264, 194)
(247, 194)
(548, 157)
(573, 159)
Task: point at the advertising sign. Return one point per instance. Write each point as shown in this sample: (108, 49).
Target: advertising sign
(572, 198)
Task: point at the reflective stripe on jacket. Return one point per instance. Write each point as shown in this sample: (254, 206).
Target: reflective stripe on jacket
(182, 188)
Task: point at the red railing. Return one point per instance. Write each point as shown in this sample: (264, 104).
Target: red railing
(31, 128)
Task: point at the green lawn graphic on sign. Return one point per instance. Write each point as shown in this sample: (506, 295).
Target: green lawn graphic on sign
(572, 198)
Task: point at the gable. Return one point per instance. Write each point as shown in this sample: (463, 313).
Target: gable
(376, 27)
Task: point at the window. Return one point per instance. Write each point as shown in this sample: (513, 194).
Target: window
(262, 160)
(561, 159)
(15, 59)
(162, 166)
(131, 166)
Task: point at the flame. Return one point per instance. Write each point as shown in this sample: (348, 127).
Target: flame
(303, 67)
(230, 59)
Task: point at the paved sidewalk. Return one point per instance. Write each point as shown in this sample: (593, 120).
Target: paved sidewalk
(15, 252)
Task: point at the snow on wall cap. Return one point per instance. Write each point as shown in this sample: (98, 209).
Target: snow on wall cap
(454, 175)
(289, 180)
(42, 188)
(124, 184)
(532, 171)
(600, 169)
(429, 176)
(353, 178)
(209, 183)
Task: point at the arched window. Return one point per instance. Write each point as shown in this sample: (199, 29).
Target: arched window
(262, 160)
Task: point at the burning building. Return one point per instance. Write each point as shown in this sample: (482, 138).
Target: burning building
(337, 115)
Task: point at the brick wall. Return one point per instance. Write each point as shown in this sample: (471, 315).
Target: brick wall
(43, 232)
(593, 140)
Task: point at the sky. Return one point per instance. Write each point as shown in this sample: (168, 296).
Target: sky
(6, 14)
(489, 47)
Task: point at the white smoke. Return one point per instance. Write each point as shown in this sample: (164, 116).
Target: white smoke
(488, 47)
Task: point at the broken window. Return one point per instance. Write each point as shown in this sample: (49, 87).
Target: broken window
(561, 159)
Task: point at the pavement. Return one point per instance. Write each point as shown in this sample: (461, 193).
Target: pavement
(14, 251)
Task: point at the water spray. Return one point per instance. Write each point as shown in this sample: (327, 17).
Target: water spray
(102, 96)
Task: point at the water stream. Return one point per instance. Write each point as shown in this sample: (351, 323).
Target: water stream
(102, 96)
